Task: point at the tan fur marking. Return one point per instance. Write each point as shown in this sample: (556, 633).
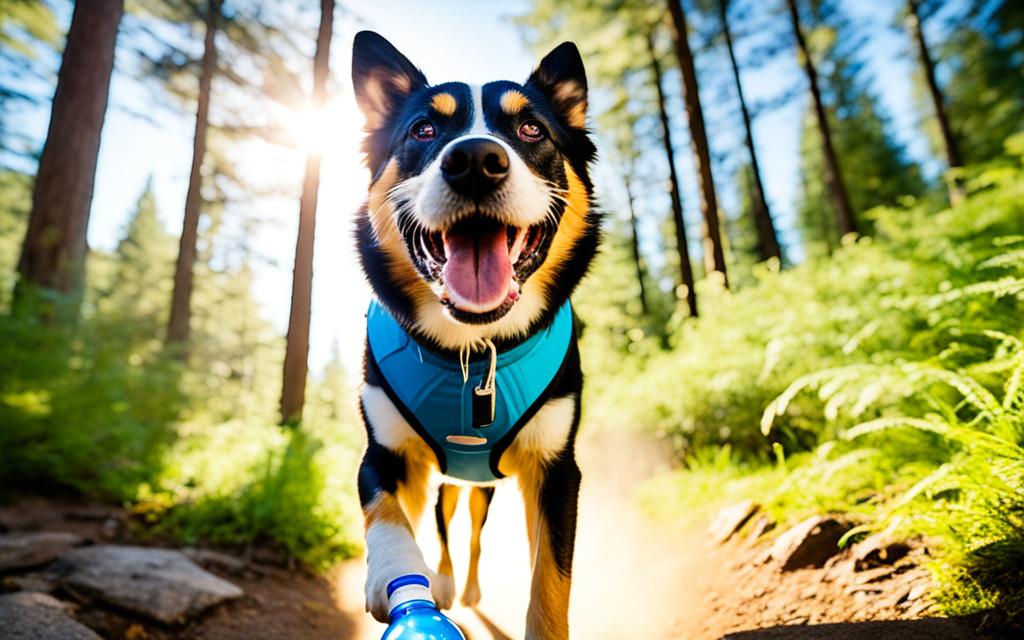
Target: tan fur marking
(449, 498)
(570, 93)
(384, 508)
(381, 212)
(478, 506)
(548, 615)
(444, 103)
(375, 99)
(420, 462)
(572, 227)
(577, 115)
(512, 102)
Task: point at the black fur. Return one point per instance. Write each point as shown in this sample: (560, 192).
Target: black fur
(377, 64)
(380, 470)
(559, 498)
(442, 526)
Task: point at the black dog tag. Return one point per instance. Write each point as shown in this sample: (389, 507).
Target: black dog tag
(483, 407)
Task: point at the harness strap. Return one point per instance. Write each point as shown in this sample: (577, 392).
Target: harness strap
(468, 411)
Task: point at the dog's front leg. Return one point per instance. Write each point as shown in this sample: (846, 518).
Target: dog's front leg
(551, 494)
(391, 549)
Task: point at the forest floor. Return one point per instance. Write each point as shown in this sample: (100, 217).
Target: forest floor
(633, 577)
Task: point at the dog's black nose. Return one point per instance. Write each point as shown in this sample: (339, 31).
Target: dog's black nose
(474, 167)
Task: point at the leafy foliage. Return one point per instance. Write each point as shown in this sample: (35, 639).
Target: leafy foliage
(892, 382)
(100, 408)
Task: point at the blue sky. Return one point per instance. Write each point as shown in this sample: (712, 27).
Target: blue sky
(449, 40)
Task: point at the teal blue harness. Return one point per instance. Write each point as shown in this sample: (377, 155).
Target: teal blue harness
(467, 426)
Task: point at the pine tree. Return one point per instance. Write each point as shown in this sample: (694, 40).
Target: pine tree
(682, 245)
(927, 60)
(744, 246)
(28, 28)
(982, 58)
(15, 204)
(831, 170)
(767, 244)
(874, 164)
(293, 389)
(53, 253)
(179, 324)
(714, 254)
(143, 266)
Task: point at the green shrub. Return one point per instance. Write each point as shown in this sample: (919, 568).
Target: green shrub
(902, 402)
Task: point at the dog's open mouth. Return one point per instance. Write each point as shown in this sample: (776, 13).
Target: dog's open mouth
(481, 261)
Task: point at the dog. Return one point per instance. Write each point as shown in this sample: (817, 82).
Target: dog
(478, 225)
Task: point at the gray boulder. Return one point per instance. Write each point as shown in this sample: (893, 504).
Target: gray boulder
(160, 584)
(27, 550)
(37, 616)
(730, 520)
(810, 543)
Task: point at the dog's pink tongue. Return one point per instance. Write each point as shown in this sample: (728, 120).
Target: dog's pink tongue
(478, 270)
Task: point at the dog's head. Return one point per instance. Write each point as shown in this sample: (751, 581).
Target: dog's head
(479, 221)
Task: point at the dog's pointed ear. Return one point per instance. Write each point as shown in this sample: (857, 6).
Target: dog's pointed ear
(560, 75)
(382, 78)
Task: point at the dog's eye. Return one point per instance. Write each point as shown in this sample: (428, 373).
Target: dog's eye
(423, 131)
(531, 131)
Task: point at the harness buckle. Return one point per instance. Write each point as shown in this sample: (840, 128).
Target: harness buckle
(483, 407)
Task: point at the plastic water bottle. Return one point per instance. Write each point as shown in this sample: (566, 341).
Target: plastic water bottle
(413, 614)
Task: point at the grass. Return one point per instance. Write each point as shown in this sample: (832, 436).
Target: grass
(96, 410)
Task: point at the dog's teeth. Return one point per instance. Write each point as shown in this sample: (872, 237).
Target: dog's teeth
(517, 247)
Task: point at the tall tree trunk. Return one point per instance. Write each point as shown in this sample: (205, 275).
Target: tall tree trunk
(767, 239)
(953, 158)
(634, 238)
(293, 391)
(845, 222)
(181, 298)
(714, 254)
(54, 248)
(682, 247)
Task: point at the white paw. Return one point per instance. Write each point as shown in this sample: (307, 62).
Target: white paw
(377, 589)
(471, 595)
(443, 588)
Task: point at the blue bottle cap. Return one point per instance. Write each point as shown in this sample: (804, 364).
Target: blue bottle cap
(406, 580)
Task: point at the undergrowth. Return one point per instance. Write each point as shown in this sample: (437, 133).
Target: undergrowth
(104, 412)
(887, 382)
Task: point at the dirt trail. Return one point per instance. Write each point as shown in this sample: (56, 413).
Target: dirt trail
(622, 568)
(633, 578)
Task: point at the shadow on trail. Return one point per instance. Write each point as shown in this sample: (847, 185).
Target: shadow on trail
(922, 629)
(491, 628)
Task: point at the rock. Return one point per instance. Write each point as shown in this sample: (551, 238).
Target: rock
(217, 561)
(157, 583)
(111, 528)
(917, 592)
(878, 574)
(37, 616)
(89, 513)
(877, 551)
(810, 543)
(38, 582)
(898, 596)
(729, 520)
(762, 525)
(27, 550)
